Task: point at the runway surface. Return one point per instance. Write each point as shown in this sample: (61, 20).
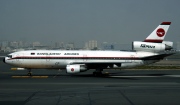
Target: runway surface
(125, 87)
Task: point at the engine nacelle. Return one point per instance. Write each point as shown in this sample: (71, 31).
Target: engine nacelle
(151, 47)
(168, 44)
(75, 68)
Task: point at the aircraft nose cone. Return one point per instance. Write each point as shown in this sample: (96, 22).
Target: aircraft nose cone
(4, 60)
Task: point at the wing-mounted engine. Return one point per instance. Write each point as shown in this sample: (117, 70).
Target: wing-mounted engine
(76, 68)
(152, 47)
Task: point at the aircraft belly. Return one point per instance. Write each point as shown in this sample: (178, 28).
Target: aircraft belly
(56, 64)
(31, 63)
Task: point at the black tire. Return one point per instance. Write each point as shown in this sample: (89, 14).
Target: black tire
(29, 74)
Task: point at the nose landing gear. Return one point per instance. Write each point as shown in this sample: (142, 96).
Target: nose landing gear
(4, 60)
(29, 72)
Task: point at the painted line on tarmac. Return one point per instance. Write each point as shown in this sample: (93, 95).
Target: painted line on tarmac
(177, 76)
(105, 83)
(39, 76)
(7, 72)
(20, 76)
(172, 75)
(132, 76)
(29, 76)
(56, 75)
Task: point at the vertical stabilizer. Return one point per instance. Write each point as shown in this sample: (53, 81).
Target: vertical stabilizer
(157, 36)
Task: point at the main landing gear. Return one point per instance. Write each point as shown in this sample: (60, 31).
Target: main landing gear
(29, 72)
(98, 72)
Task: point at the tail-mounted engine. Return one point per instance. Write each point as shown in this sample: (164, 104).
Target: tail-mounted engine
(76, 68)
(152, 47)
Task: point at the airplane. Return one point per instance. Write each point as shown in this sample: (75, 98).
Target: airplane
(151, 50)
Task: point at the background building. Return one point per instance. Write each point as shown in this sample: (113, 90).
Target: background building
(70, 46)
(108, 46)
(178, 46)
(91, 45)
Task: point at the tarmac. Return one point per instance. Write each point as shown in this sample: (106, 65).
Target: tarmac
(115, 87)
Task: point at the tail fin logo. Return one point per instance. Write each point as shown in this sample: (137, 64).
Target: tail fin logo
(160, 32)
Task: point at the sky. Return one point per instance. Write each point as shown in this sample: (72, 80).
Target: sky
(78, 21)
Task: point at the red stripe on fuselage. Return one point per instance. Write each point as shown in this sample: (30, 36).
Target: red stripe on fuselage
(153, 40)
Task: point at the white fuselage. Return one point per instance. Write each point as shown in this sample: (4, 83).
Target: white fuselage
(59, 59)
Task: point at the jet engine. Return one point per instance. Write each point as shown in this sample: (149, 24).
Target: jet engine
(76, 68)
(152, 47)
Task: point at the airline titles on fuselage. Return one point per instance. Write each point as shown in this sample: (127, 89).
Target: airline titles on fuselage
(57, 53)
(146, 46)
(48, 53)
(71, 53)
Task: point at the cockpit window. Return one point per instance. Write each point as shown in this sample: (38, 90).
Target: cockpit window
(9, 56)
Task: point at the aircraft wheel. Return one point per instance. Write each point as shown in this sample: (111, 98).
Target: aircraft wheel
(29, 74)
